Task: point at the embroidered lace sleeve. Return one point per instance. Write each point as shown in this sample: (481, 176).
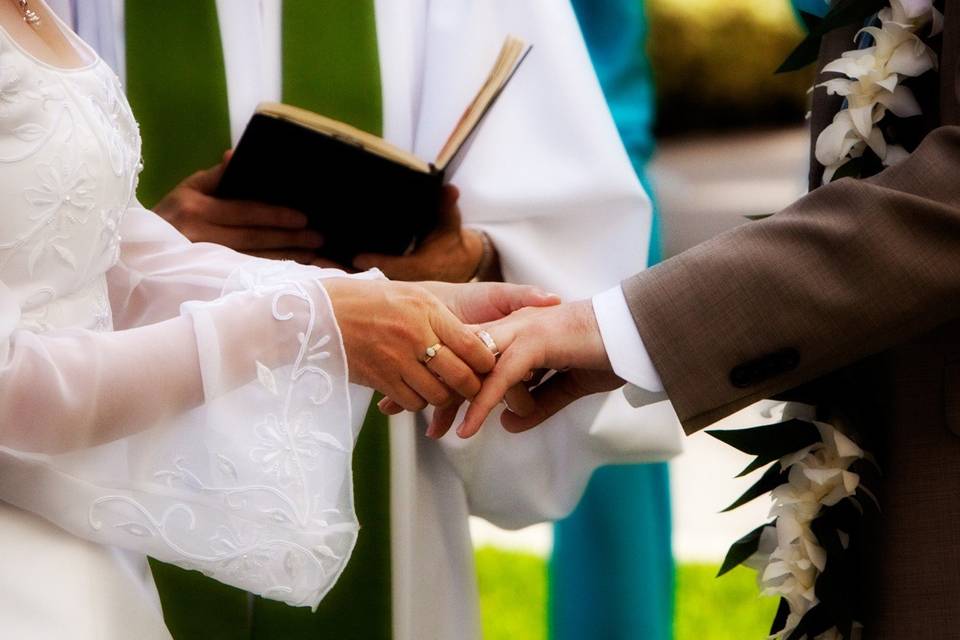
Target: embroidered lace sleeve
(159, 269)
(220, 412)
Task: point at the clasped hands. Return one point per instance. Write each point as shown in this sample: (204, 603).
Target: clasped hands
(550, 354)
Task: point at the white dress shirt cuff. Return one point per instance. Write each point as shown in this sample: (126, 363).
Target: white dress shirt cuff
(622, 341)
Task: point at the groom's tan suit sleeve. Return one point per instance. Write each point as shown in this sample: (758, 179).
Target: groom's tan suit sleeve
(853, 268)
(850, 270)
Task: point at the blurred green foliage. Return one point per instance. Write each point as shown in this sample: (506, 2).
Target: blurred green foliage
(714, 62)
(513, 600)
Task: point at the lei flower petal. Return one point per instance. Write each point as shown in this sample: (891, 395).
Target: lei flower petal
(871, 84)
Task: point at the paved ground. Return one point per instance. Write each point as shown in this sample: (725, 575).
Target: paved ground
(706, 185)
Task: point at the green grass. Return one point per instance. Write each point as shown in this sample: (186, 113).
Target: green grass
(727, 608)
(513, 600)
(513, 595)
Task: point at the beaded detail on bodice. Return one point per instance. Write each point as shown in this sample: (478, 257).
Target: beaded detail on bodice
(69, 161)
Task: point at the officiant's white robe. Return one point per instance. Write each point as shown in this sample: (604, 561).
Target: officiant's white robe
(550, 182)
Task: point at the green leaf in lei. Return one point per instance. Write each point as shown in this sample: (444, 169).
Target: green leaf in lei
(769, 442)
(814, 622)
(851, 169)
(842, 13)
(780, 620)
(834, 588)
(742, 549)
(771, 479)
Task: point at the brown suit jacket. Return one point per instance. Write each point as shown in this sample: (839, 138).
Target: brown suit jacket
(849, 299)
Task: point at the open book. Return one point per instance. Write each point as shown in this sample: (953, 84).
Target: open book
(361, 192)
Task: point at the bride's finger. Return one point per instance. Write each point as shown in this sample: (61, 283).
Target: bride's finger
(455, 373)
(426, 385)
(443, 418)
(462, 341)
(403, 395)
(388, 407)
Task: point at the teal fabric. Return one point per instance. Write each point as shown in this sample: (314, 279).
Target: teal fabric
(611, 574)
(616, 32)
(813, 7)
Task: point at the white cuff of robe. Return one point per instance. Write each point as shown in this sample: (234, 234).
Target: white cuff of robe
(628, 355)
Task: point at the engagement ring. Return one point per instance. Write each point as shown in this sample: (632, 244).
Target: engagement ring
(432, 352)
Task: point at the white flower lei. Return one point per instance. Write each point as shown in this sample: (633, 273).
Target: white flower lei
(813, 468)
(872, 85)
(789, 560)
(808, 485)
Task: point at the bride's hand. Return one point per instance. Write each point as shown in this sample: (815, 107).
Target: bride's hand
(387, 328)
(482, 302)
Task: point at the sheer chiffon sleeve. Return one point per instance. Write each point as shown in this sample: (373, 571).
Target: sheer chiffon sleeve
(212, 429)
(159, 269)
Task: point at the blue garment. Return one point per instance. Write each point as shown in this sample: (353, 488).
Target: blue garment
(813, 7)
(611, 575)
(616, 34)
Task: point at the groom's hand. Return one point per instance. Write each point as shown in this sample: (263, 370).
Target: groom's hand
(253, 228)
(386, 329)
(565, 339)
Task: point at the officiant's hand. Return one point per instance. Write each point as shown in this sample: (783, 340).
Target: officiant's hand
(253, 228)
(387, 328)
(451, 253)
(565, 339)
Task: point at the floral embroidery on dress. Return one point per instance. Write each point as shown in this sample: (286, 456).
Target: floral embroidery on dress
(63, 187)
(248, 509)
(85, 113)
(9, 89)
(285, 447)
(289, 443)
(122, 139)
(63, 198)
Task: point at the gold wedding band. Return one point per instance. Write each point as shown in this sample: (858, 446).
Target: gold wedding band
(487, 340)
(431, 352)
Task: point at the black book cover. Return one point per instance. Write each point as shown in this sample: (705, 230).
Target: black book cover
(360, 201)
(360, 192)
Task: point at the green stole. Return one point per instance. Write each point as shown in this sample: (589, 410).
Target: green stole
(177, 86)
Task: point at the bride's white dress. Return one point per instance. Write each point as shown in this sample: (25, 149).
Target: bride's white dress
(207, 390)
